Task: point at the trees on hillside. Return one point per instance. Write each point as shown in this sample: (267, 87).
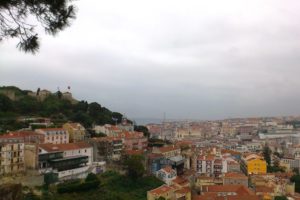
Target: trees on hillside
(60, 110)
(52, 16)
(143, 129)
(135, 167)
(267, 155)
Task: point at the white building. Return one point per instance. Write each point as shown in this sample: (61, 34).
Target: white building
(54, 135)
(71, 159)
(167, 174)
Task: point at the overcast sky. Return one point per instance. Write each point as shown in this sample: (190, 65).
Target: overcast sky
(190, 59)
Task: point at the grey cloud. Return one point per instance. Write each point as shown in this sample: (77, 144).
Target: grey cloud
(197, 59)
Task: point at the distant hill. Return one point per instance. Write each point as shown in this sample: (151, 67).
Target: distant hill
(59, 107)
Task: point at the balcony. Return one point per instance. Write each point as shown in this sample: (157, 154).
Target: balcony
(62, 164)
(50, 156)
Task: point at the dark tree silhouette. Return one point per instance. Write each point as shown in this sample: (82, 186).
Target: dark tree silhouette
(52, 15)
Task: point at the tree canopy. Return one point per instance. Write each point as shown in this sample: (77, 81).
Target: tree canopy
(58, 109)
(135, 166)
(19, 19)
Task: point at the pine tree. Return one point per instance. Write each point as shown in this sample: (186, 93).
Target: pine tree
(53, 16)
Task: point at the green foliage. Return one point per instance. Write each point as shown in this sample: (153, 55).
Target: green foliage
(296, 180)
(53, 16)
(267, 155)
(143, 129)
(153, 142)
(135, 167)
(161, 198)
(31, 196)
(77, 186)
(280, 198)
(50, 178)
(5, 103)
(272, 169)
(91, 177)
(58, 109)
(27, 104)
(275, 168)
(278, 154)
(114, 186)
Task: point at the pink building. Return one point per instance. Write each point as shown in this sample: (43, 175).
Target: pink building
(54, 135)
(134, 140)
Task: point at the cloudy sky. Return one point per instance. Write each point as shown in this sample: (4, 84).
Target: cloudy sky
(190, 59)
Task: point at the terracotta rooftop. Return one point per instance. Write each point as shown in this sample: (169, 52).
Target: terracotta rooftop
(180, 180)
(223, 151)
(264, 189)
(134, 152)
(19, 134)
(64, 147)
(238, 189)
(168, 169)
(183, 190)
(161, 190)
(51, 129)
(213, 196)
(168, 148)
(155, 155)
(235, 175)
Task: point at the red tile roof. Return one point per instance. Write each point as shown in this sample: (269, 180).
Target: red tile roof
(184, 190)
(239, 189)
(64, 147)
(168, 148)
(20, 134)
(180, 180)
(168, 169)
(51, 129)
(134, 152)
(235, 175)
(161, 190)
(211, 196)
(264, 189)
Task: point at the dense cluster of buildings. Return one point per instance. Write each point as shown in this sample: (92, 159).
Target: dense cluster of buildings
(199, 160)
(225, 160)
(67, 152)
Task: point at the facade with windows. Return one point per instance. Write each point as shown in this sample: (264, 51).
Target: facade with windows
(166, 174)
(11, 155)
(67, 160)
(54, 135)
(76, 131)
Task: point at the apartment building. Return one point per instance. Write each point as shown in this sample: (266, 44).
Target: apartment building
(54, 135)
(166, 174)
(253, 164)
(167, 151)
(134, 140)
(67, 160)
(76, 131)
(234, 178)
(11, 154)
(106, 148)
(205, 165)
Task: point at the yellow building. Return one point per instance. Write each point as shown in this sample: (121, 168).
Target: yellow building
(76, 131)
(253, 164)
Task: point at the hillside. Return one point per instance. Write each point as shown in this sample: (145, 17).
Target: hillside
(59, 107)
